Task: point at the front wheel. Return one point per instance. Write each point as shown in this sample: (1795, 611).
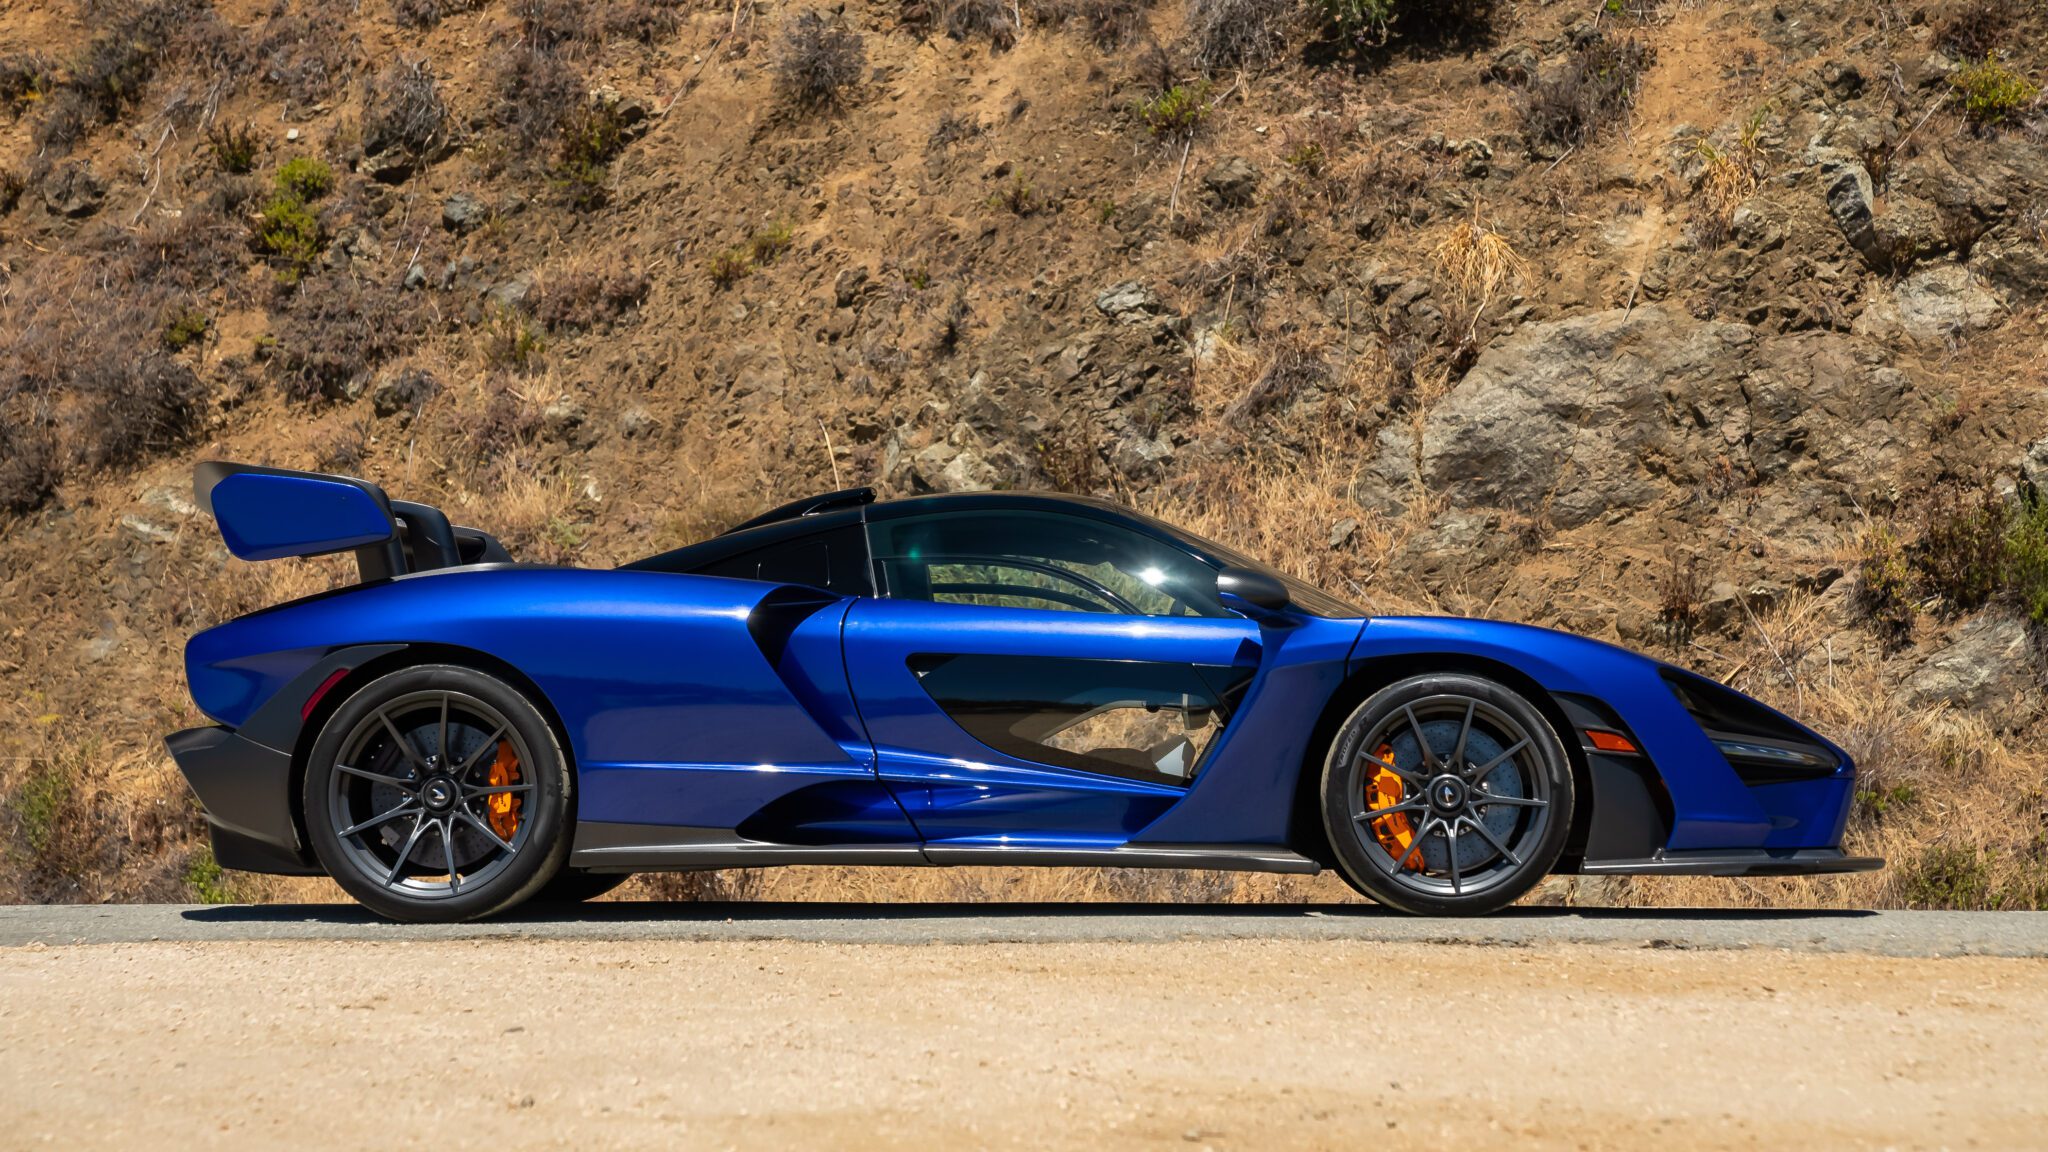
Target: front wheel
(438, 793)
(1446, 795)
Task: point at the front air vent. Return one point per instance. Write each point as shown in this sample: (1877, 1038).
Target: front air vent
(1762, 745)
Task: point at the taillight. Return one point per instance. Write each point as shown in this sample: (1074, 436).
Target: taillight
(313, 701)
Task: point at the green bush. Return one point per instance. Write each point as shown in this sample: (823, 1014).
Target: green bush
(768, 244)
(234, 149)
(1884, 586)
(305, 178)
(289, 233)
(1178, 111)
(1946, 876)
(1961, 553)
(1991, 91)
(592, 137)
(184, 329)
(2026, 556)
(1361, 22)
(730, 267)
(203, 875)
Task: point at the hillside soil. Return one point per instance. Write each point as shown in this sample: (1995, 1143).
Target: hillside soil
(1714, 330)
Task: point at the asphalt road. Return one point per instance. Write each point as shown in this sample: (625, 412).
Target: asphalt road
(1905, 934)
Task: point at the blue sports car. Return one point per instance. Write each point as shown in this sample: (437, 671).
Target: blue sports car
(986, 678)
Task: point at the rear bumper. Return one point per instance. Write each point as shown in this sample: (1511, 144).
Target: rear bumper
(246, 791)
(1737, 862)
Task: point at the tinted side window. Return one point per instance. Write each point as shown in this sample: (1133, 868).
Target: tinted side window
(1128, 718)
(1039, 560)
(834, 560)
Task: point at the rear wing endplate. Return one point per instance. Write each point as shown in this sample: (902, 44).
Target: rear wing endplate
(269, 513)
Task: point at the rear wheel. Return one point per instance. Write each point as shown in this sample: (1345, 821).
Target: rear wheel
(1446, 795)
(438, 793)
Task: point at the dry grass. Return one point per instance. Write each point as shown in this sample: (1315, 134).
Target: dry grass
(1479, 263)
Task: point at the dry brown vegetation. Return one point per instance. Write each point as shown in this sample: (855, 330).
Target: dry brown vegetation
(605, 278)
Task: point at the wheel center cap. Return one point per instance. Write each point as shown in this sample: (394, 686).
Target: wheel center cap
(1447, 793)
(438, 794)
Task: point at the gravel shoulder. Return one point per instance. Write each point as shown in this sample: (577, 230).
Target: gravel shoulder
(1185, 1042)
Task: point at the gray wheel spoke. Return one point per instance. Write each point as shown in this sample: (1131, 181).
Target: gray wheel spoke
(1372, 814)
(1464, 732)
(1428, 753)
(398, 865)
(490, 743)
(495, 790)
(1396, 769)
(404, 809)
(1414, 846)
(447, 827)
(404, 745)
(442, 749)
(1486, 799)
(1480, 772)
(1499, 847)
(1451, 843)
(470, 819)
(408, 787)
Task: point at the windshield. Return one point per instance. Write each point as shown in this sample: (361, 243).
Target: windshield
(1306, 596)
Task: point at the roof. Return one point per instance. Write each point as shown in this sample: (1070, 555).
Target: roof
(830, 510)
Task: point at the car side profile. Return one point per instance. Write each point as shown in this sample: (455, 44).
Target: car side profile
(983, 678)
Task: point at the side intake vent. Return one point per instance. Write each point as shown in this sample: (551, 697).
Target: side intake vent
(1763, 746)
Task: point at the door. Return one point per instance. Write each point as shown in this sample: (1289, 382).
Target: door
(1038, 679)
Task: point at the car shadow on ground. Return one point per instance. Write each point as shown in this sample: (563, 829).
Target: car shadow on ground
(647, 911)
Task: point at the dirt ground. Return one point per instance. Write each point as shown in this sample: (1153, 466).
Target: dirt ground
(1224, 1044)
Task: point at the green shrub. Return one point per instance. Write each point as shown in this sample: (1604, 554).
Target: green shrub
(1178, 111)
(185, 328)
(1016, 195)
(1360, 22)
(592, 137)
(1991, 91)
(204, 877)
(26, 79)
(512, 341)
(289, 233)
(730, 267)
(2026, 556)
(1961, 553)
(1309, 159)
(305, 179)
(234, 149)
(768, 244)
(1884, 586)
(1946, 876)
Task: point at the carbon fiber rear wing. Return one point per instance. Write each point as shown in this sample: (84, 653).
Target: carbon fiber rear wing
(270, 513)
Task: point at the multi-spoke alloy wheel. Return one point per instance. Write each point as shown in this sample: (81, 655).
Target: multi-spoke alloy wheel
(1446, 795)
(437, 793)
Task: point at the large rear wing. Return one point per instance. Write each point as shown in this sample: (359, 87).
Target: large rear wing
(269, 513)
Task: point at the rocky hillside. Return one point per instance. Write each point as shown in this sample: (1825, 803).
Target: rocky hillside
(1714, 329)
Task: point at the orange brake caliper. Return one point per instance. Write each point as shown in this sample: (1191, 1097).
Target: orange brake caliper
(503, 807)
(1395, 833)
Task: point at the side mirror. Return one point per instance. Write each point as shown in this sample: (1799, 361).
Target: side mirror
(1252, 593)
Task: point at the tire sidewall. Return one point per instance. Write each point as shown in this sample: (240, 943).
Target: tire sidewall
(547, 843)
(1338, 773)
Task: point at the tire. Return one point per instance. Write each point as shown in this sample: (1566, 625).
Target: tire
(1446, 795)
(386, 813)
(573, 887)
